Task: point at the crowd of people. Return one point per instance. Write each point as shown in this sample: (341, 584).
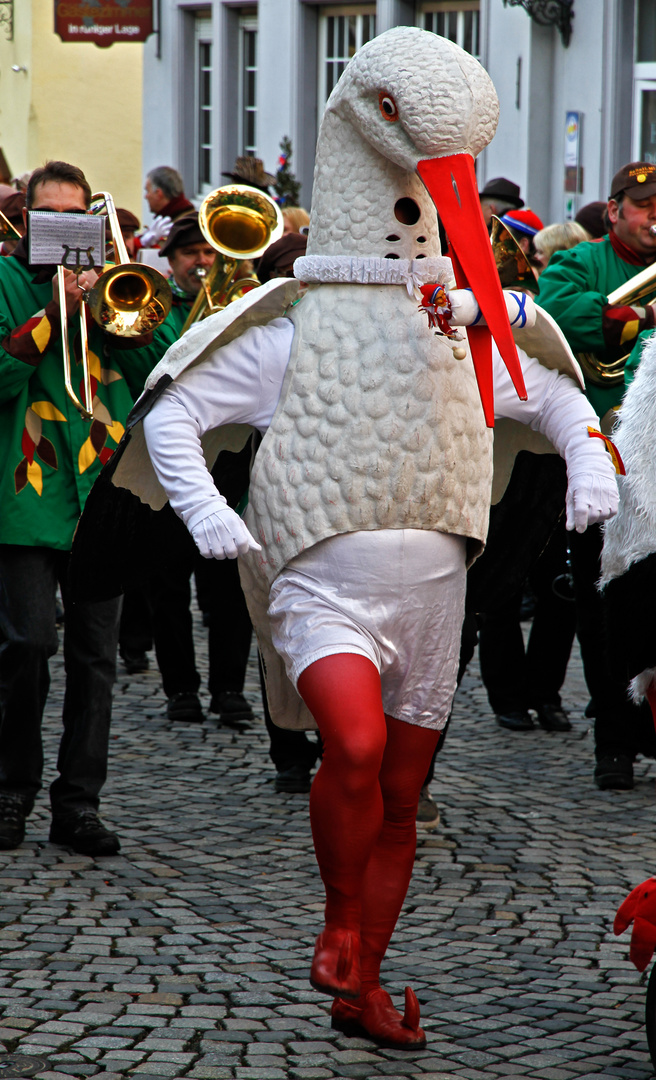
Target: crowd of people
(558, 596)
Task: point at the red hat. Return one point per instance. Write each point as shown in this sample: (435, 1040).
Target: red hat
(524, 221)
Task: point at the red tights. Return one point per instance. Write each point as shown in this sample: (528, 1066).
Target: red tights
(363, 802)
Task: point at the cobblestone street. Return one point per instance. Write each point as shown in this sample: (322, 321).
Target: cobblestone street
(187, 955)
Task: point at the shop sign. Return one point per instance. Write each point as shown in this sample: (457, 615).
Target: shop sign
(104, 22)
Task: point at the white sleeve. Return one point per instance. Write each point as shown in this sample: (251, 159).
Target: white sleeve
(239, 384)
(558, 409)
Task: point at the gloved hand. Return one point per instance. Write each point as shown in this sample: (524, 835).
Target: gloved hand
(219, 533)
(592, 494)
(159, 230)
(639, 908)
(591, 498)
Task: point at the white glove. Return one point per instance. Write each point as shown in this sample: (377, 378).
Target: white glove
(159, 230)
(220, 533)
(591, 498)
(466, 312)
(592, 494)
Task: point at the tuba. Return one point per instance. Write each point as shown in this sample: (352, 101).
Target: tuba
(239, 222)
(611, 372)
(127, 300)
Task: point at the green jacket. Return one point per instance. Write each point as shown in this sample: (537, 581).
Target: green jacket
(574, 290)
(49, 455)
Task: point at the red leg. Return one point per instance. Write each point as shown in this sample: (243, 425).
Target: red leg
(407, 756)
(406, 759)
(651, 698)
(346, 807)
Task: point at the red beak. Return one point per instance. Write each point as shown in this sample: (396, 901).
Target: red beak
(451, 184)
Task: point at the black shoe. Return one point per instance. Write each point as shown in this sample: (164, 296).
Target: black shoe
(428, 812)
(552, 717)
(232, 707)
(296, 779)
(84, 832)
(134, 661)
(614, 772)
(13, 812)
(185, 706)
(515, 721)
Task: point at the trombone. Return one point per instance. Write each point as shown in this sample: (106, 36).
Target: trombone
(127, 300)
(239, 222)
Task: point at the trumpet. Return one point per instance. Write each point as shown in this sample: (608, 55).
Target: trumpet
(127, 300)
(513, 267)
(652, 230)
(239, 222)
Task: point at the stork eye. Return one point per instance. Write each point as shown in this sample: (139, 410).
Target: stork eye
(387, 106)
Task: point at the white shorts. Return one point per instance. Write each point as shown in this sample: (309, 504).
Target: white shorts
(396, 596)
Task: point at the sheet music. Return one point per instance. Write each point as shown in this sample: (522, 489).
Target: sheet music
(69, 240)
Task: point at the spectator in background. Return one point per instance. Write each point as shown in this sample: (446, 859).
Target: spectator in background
(278, 259)
(164, 192)
(592, 217)
(557, 238)
(250, 170)
(524, 226)
(129, 224)
(497, 196)
(296, 220)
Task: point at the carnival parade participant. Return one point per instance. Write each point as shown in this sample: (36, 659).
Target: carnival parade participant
(371, 488)
(50, 458)
(574, 289)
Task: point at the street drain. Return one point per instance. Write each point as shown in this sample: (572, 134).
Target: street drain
(15, 1066)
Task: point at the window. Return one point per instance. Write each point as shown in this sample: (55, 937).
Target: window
(644, 83)
(342, 30)
(203, 110)
(457, 20)
(248, 85)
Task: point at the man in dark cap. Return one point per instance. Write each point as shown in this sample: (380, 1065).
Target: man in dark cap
(574, 289)
(497, 196)
(278, 259)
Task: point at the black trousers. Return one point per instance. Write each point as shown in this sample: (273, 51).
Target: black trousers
(516, 678)
(28, 638)
(620, 726)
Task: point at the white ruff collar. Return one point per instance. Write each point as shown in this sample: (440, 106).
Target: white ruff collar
(351, 269)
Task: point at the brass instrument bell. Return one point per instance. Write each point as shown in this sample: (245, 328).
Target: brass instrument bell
(513, 267)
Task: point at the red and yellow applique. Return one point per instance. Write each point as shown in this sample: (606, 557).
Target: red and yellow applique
(33, 444)
(102, 425)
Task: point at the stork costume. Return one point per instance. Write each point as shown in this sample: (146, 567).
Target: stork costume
(371, 488)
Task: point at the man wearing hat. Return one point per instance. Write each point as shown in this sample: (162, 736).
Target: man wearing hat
(250, 170)
(497, 196)
(574, 289)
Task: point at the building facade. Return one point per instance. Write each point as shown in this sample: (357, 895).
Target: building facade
(69, 101)
(224, 78)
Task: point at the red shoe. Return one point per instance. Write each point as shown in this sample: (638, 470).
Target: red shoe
(336, 964)
(378, 1020)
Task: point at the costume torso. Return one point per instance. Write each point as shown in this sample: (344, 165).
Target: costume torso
(378, 427)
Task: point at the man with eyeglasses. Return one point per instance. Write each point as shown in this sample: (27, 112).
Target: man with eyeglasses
(49, 459)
